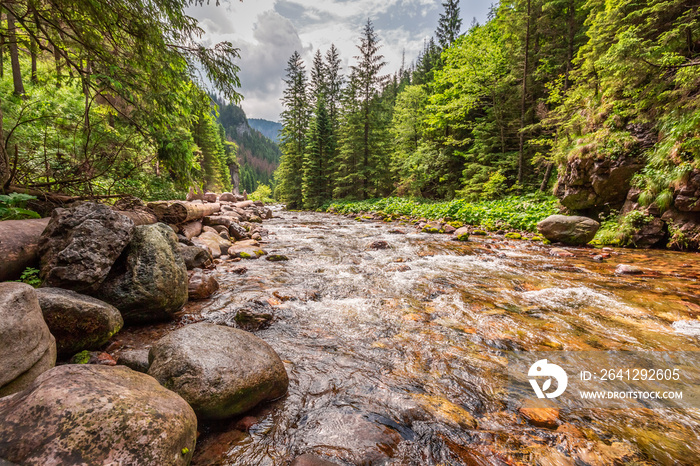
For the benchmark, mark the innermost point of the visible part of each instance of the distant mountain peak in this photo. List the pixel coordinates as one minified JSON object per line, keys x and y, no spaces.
{"x":269,"y":129}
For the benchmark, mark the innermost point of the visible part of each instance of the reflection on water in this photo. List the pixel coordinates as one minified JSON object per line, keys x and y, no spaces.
{"x":396,"y":356}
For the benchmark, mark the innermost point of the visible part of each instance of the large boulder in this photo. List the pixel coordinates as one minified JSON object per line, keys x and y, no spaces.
{"x":573,"y":230}
{"x":78,"y":322}
{"x":27,"y":348}
{"x":220,"y":371}
{"x":88,"y":414}
{"x":80,"y":245}
{"x":149,"y":282}
{"x":19,"y":245}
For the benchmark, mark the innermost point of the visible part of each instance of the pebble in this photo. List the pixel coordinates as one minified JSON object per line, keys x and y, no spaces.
{"x":626,"y":269}
{"x":558,"y":252}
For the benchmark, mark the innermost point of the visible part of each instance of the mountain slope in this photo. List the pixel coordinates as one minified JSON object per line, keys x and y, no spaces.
{"x":258,"y":156}
{"x":269,"y":129}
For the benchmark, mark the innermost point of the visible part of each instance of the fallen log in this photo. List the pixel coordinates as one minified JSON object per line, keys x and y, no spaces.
{"x":192,"y":229}
{"x":19,"y":246}
{"x":139,"y":217}
{"x":179,"y":212}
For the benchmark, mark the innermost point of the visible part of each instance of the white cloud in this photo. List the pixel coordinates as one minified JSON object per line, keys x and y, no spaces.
{"x":269,"y":31}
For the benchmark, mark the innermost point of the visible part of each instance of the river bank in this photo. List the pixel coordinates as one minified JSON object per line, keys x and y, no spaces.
{"x":394,"y":339}
{"x":394,"y":354}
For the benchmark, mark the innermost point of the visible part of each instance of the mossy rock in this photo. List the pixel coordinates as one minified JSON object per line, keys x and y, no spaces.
{"x":514,"y":235}
{"x":432,"y":227}
{"x":462,"y":234}
{"x":456,"y":224}
{"x":479,"y":233}
{"x":245,"y":255}
{"x":81,"y":358}
{"x":277,"y":258}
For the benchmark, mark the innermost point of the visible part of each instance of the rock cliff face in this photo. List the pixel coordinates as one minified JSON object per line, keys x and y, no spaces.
{"x":593,"y":184}
{"x":597,"y":184}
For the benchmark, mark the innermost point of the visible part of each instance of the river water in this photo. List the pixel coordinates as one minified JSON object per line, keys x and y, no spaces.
{"x":395,"y":356}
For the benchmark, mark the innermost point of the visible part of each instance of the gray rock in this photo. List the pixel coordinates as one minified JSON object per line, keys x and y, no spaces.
{"x":27,"y":348}
{"x":195,"y":257}
{"x":80,"y":245}
{"x":134,"y":359}
{"x":652,"y":233}
{"x":593,"y":182}
{"x":149,"y":282}
{"x":96,"y":415}
{"x":568,"y":229}
{"x":77,"y":321}
{"x":227,"y":197}
{"x":237,"y":232}
{"x":220,"y":371}
{"x":212,"y":241}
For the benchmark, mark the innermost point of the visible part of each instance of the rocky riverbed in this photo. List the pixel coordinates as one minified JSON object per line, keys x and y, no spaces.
{"x":393,"y":341}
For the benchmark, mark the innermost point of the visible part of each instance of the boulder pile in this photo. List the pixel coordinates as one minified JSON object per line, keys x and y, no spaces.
{"x":101,"y":268}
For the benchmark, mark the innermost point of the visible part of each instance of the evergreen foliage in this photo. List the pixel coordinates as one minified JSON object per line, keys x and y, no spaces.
{"x":107,"y":98}
{"x":295,"y":119}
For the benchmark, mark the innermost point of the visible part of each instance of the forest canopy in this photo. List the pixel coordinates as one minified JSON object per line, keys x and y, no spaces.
{"x":104,"y":98}
{"x":498,"y":109}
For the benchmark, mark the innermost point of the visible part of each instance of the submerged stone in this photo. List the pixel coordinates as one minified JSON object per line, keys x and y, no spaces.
{"x":220,"y":371}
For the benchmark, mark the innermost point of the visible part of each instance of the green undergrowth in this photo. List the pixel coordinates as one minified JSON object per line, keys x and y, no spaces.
{"x":513,"y":212}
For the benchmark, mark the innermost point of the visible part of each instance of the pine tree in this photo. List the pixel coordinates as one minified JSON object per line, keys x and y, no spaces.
{"x":373,"y":163}
{"x":334,"y":86}
{"x":318,"y":86}
{"x":295,"y":119}
{"x":449,"y":24}
{"x":319,"y":145}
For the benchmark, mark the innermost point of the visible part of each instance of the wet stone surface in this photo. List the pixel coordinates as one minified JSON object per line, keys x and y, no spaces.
{"x":401,"y":366}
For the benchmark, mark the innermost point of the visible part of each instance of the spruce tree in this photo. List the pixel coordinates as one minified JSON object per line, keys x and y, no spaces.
{"x":334,"y":86}
{"x":295,"y":119}
{"x":449,"y":25}
{"x":316,"y":166}
{"x":373,"y":163}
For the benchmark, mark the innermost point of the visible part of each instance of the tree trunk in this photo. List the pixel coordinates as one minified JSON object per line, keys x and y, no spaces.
{"x":19,"y":246}
{"x":59,"y":66}
{"x":547,"y":175}
{"x":139,"y":217}
{"x":33,"y":53}
{"x":521,"y":146}
{"x":5,"y":172}
{"x":14,"y":55}
{"x":2,"y":48}
{"x":180,"y":212}
{"x":2,"y":53}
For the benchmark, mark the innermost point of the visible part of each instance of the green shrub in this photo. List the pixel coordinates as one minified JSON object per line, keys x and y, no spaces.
{"x":30,"y":276}
{"x":262,"y":193}
{"x":513,"y":212}
{"x":14,"y":207}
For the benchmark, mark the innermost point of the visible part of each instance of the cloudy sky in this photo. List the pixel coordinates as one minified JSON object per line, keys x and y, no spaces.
{"x":267,"y":32}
